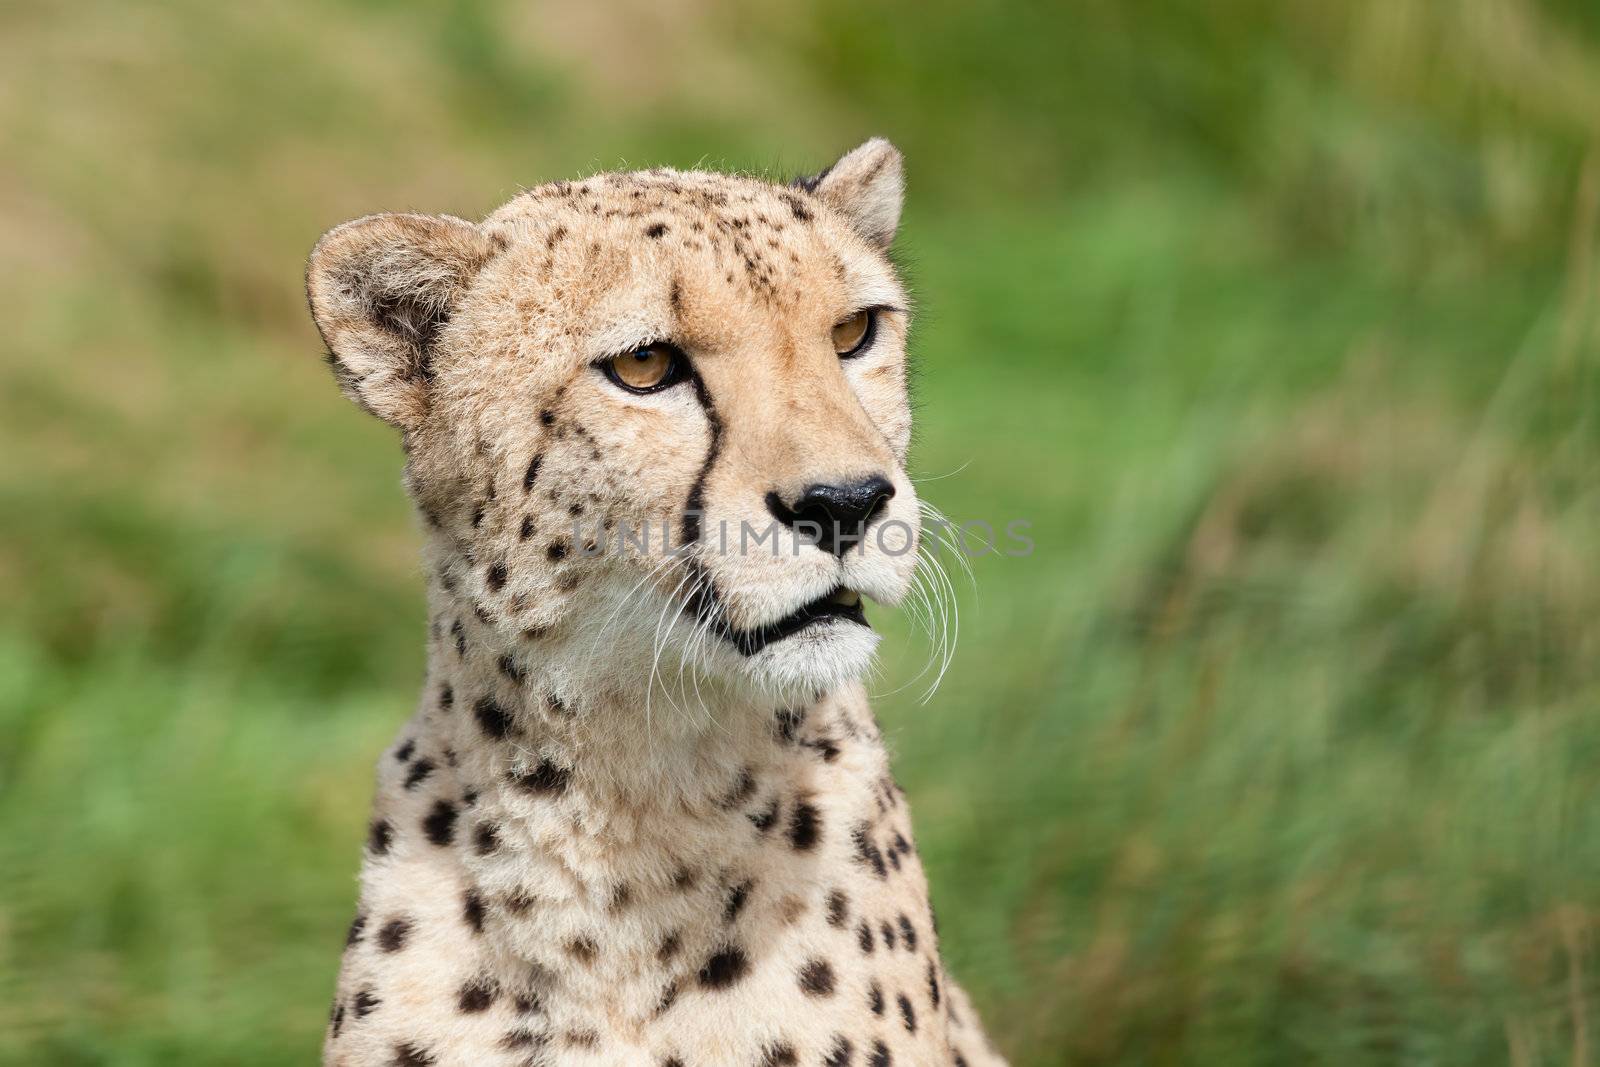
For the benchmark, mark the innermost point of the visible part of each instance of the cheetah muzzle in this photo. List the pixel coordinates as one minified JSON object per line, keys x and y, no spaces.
{"x":655,"y":428}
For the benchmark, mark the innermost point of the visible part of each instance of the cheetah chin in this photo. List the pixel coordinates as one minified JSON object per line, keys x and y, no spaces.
{"x":655,"y":428}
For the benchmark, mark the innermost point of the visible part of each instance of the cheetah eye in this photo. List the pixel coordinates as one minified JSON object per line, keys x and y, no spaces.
{"x":646,"y":369}
{"x":854,"y":335}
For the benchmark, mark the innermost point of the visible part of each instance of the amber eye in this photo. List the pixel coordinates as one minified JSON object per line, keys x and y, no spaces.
{"x":851,"y":337}
{"x":644,"y":370}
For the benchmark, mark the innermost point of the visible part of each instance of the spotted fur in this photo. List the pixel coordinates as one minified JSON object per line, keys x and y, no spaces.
{"x":611,"y":834}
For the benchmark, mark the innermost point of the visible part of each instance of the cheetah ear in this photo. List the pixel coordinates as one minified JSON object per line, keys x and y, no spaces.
{"x":381,"y":288}
{"x":867,"y":187}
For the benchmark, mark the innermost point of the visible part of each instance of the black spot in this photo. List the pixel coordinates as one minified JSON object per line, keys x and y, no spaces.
{"x":557,"y":550}
{"x":959,"y":1061}
{"x":880,"y":1055}
{"x":358,"y":926}
{"x":839,"y":1055}
{"x":496,"y":577}
{"x":789,"y":722}
{"x":738,"y":897}
{"x":668,"y":997}
{"x":508,"y":667}
{"x":522,"y":1038}
{"x":669,"y":947}
{"x":440,"y":824}
{"x":476,"y":995}
{"x":933,"y":983}
{"x":656,"y":231}
{"x":485,"y":839}
{"x":875,"y":998}
{"x":825,"y":747}
{"x":621,"y":896}
{"x":724,"y":968}
{"x":533,"y":469}
{"x":526,"y":531}
{"x":409,"y":1055}
{"x":477,"y":514}
{"x":683,"y":878}
{"x":867,"y":853}
{"x":742,"y":788}
{"x":864,"y":936}
{"x":364,"y":1003}
{"x":908,"y":1014}
{"x":461,"y":637}
{"x":447,"y":698}
{"x":545,"y":778}
{"x":805,"y":827}
{"x":838,"y":908}
{"x":472,"y":910}
{"x":816,"y":978}
{"x":546,"y":417}
{"x":403,"y":753}
{"x":763,"y":820}
{"x":901,"y":845}
{"x":887,"y":932}
{"x":392,"y":935}
{"x":336,"y":1018}
{"x":781,"y":1054}
{"x":672,"y":1061}
{"x":492,"y":718}
{"x":379,"y":835}
{"x":583,"y":949}
{"x":418,"y":773}
{"x":908,"y":934}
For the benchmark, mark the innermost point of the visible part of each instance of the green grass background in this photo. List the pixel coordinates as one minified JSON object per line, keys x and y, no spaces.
{"x":1276,"y":319}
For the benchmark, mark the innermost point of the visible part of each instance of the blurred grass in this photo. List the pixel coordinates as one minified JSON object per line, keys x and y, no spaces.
{"x":1276,"y":320}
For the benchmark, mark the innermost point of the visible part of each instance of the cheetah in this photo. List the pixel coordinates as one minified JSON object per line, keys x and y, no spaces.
{"x":643,"y":814}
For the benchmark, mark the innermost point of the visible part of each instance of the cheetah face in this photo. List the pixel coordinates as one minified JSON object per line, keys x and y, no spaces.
{"x":659,"y":416}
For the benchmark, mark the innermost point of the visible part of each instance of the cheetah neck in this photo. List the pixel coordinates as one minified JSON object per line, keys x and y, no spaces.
{"x":523,"y":716}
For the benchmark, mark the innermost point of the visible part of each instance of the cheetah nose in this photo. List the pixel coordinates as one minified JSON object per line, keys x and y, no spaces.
{"x":835,"y":516}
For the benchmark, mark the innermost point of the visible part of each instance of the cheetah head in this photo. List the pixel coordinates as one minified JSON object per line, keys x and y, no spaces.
{"x":661,"y":416}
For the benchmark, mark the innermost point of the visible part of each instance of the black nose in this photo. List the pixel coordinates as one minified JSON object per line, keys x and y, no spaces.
{"x":834,"y":516}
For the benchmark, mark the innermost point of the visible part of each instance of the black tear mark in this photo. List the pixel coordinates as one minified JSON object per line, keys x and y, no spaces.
{"x":695,"y":503}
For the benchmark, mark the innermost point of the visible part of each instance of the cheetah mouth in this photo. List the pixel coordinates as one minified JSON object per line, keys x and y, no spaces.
{"x":840,"y":606}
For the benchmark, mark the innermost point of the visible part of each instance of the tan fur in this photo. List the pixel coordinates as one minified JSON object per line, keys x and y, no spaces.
{"x":608,"y":836}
